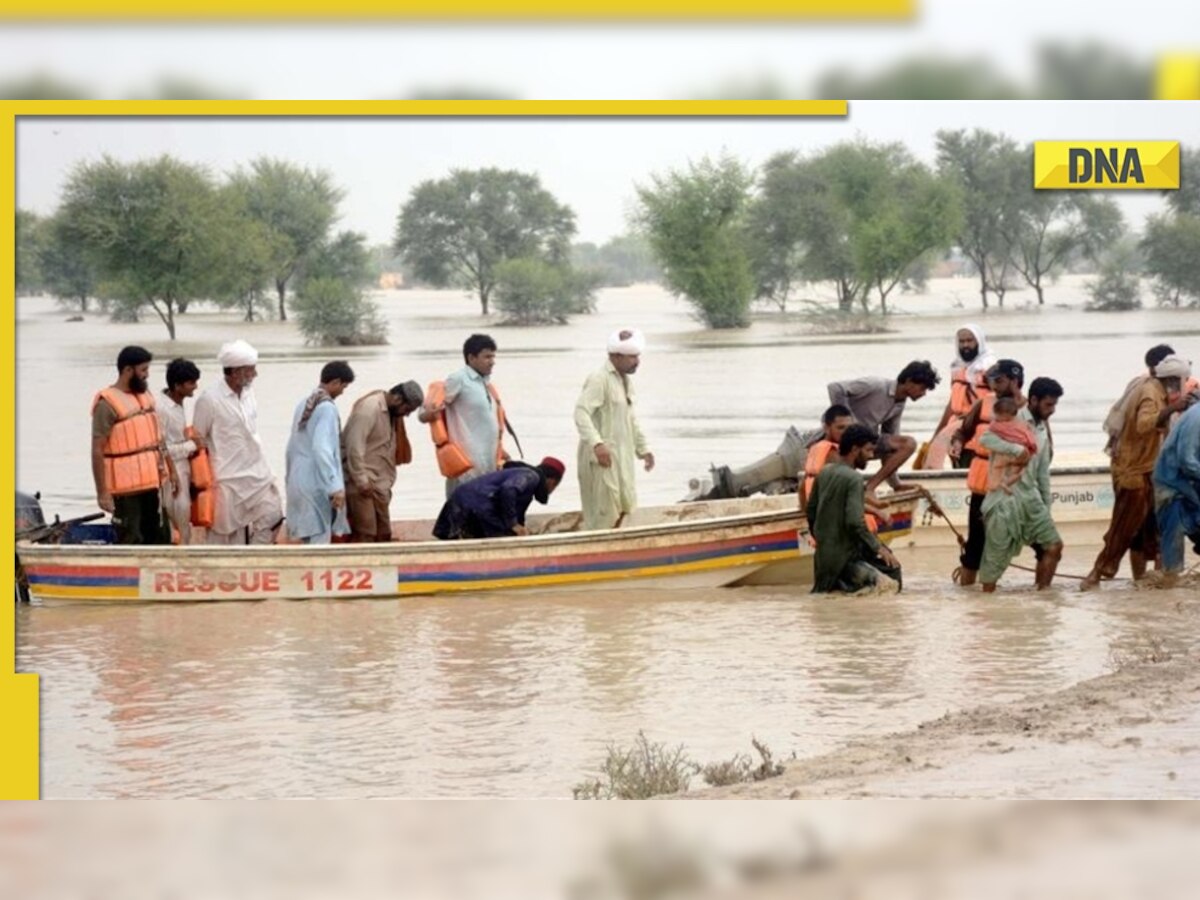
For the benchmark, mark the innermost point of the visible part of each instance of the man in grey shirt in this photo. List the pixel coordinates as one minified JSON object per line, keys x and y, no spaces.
{"x":878,"y":403}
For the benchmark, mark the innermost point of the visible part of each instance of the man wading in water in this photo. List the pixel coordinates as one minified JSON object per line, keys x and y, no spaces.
{"x":849,"y":558}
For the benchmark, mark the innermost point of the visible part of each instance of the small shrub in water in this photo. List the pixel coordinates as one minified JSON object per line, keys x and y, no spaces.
{"x":645,"y":770}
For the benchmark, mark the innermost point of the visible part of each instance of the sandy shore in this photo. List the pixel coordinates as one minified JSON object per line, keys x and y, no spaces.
{"x":1132,"y":733}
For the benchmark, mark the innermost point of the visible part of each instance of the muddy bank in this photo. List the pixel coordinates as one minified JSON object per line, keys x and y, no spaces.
{"x":1134,"y":732}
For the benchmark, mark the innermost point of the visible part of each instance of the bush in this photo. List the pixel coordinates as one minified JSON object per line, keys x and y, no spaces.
{"x":1118,"y":287}
{"x":644,"y":770}
{"x":333,"y":313}
{"x":533,"y":292}
{"x":1114,"y":291}
{"x":647,"y":770}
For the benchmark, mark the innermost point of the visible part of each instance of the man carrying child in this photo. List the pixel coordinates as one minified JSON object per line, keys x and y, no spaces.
{"x":1016,"y":509}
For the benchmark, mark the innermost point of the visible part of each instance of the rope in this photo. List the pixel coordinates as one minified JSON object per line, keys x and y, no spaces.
{"x":955,"y":575}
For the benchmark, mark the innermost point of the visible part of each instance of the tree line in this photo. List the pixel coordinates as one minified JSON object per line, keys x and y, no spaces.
{"x":867,"y":218}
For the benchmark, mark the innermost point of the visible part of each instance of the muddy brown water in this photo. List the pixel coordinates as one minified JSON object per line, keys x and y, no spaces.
{"x":518,"y":694}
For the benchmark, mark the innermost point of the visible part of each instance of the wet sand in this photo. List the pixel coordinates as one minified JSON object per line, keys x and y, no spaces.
{"x":1131,"y":733}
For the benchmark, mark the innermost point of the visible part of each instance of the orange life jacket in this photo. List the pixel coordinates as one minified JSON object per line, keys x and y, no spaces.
{"x":133,"y":458}
{"x":817,"y":456}
{"x":204,"y":507}
{"x":452,"y":459}
{"x":200,"y":467}
{"x":963,"y":393}
{"x":977,"y":474}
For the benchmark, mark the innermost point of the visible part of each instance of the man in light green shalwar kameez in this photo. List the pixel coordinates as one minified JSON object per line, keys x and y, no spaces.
{"x":1020,"y":517}
{"x":610,"y":439}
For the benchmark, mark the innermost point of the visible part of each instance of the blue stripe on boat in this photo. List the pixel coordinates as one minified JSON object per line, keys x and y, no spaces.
{"x":83,"y":580}
{"x":616,"y":565}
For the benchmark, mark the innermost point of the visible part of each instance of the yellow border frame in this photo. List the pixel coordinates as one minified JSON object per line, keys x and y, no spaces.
{"x":463,"y":10}
{"x":19,"y":775}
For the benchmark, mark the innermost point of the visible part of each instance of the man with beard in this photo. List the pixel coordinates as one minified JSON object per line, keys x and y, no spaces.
{"x":374,"y":443}
{"x":129,"y":459}
{"x":968,"y":382}
{"x":1133,"y":527}
{"x":610,"y":436}
{"x":494,"y":505}
{"x":1019,"y":516}
{"x":848,"y":557}
{"x":249,"y":509}
{"x":1006,"y":379}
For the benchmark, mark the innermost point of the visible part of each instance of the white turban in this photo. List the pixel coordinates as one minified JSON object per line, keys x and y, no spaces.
{"x":627,"y":341}
{"x":236,"y":354}
{"x":1172,"y":367}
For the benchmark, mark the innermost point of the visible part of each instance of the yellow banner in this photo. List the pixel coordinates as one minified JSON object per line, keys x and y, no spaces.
{"x":1106,"y":165}
{"x":459,"y":10}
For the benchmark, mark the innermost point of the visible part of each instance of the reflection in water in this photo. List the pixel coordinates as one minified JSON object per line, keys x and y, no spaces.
{"x":517,"y":695}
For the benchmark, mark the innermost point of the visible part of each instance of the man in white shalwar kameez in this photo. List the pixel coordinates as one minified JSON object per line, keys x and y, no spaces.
{"x":316,"y":493}
{"x":182,"y":378}
{"x":610,"y":439}
{"x":249,"y":509}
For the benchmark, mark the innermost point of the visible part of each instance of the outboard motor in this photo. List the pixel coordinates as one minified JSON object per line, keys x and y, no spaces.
{"x":29,"y":512}
{"x":29,"y":517}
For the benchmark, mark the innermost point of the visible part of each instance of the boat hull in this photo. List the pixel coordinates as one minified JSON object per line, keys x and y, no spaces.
{"x":757,"y":540}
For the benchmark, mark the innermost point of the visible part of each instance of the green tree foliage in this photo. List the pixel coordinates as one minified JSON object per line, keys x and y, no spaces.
{"x":985,"y":166}
{"x":150,"y":227}
{"x":333,"y":312}
{"x":1118,"y":287}
{"x":921,"y":78}
{"x":1172,"y":247}
{"x":861,"y":215}
{"x":535,"y":292}
{"x":1044,"y":230}
{"x":1186,"y":200}
{"x":456,"y":230}
{"x":250,"y":251}
{"x":346,"y":258}
{"x":1091,"y":71}
{"x":619,"y":262}
{"x":68,"y":271}
{"x":299,"y":206}
{"x":30,"y":236}
{"x":695,"y":221}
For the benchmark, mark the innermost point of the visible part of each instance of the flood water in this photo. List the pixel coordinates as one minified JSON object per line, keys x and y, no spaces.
{"x":517,"y":695}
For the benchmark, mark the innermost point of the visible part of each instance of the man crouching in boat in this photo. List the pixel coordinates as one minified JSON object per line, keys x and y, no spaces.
{"x":848,"y":557}
{"x":494,"y":505}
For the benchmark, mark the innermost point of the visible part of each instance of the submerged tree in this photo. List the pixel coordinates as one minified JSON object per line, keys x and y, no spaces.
{"x":332,"y":312}
{"x":534,"y":292}
{"x":151,"y":228}
{"x":298,"y":205}
{"x":68,"y":271}
{"x":858,"y":214}
{"x":456,"y":230}
{"x":984,"y":165}
{"x":695,"y":221}
{"x":1045,"y":230}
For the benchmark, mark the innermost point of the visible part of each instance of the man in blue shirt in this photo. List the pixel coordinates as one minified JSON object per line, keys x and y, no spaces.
{"x":494,"y":505}
{"x":1177,"y":491}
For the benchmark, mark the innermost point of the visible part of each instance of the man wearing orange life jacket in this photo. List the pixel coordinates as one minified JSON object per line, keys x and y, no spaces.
{"x":474,"y":417}
{"x":129,"y":462}
{"x":182,"y":379}
{"x":1005,"y":379}
{"x":968,"y":382}
{"x":834,"y":422}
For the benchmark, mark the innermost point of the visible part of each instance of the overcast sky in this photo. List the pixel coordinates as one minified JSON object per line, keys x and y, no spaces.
{"x":591,"y":165}
{"x":391,"y":59}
